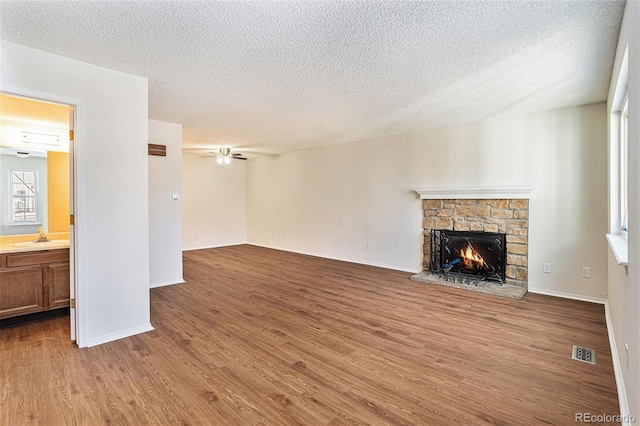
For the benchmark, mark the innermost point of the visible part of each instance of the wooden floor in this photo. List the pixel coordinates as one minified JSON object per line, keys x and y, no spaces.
{"x":259,"y":336}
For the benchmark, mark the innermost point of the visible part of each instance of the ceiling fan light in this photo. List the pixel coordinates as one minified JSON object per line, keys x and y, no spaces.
{"x":227,"y":160}
{"x":219,"y":159}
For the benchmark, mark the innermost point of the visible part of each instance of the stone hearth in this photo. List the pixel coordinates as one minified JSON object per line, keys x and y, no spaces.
{"x":487,"y":287}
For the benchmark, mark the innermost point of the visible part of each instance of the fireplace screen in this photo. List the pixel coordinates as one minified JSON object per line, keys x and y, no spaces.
{"x":476,"y":255}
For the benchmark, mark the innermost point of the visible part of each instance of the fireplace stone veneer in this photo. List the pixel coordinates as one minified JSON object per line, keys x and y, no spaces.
{"x":508,"y":216}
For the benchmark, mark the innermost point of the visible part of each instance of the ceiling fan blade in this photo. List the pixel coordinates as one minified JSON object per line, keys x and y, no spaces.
{"x":239,"y":158}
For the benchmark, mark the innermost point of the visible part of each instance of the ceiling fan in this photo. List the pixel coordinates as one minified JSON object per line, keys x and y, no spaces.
{"x":225,"y":156}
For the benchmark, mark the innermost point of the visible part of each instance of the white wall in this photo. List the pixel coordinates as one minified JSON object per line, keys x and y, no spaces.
{"x":213,"y":203}
{"x":112,"y":218}
{"x":332,"y":201}
{"x":165,"y":215}
{"x":624,"y":290}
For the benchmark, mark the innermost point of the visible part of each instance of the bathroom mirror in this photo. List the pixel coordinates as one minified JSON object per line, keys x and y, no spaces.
{"x":23,"y":184}
{"x":34,"y":167}
{"x":34,"y":187}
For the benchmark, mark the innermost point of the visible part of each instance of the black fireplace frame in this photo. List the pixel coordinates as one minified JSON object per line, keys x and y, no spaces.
{"x":439,"y":238}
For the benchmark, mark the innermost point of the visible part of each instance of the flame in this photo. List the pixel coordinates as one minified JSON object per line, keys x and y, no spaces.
{"x":469,"y":256}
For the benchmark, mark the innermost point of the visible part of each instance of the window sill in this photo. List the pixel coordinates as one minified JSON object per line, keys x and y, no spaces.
{"x":620,"y":248}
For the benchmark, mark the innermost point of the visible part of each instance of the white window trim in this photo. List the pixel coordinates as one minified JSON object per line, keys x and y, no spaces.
{"x":623,"y":158}
{"x":617,"y":238}
{"x":620,"y":248}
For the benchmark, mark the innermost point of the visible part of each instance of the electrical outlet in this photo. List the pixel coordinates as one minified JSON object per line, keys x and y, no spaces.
{"x":280,"y":235}
{"x":194,"y":236}
{"x":369,"y":246}
{"x":546,"y":268}
{"x":586,"y":272}
{"x":626,"y":356}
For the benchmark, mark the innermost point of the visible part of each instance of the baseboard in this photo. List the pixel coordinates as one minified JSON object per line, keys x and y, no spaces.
{"x":216,"y":246}
{"x":568,"y":295}
{"x":617,"y":369}
{"x":377,"y":265}
{"x":119,"y":335}
{"x":165,"y":283}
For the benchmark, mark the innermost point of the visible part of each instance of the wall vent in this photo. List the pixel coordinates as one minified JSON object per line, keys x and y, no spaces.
{"x":584,"y":354}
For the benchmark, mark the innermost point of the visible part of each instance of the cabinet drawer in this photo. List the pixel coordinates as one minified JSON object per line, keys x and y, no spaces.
{"x":37,"y":258}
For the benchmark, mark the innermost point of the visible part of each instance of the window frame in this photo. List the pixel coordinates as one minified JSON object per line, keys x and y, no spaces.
{"x":13,"y":197}
{"x":623,"y":159}
{"x":617,"y":99}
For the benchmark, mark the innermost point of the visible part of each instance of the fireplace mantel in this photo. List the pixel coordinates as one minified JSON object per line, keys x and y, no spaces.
{"x":479,"y":193}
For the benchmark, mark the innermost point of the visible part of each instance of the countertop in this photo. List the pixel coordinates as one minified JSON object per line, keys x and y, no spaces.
{"x":6,"y":248}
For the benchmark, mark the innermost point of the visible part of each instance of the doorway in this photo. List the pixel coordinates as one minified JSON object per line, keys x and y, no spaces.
{"x":37,"y":230}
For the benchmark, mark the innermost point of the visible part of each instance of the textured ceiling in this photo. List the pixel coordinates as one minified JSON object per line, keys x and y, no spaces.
{"x":271,"y":77}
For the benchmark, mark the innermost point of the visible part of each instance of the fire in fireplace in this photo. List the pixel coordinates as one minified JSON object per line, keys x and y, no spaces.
{"x":476,"y":255}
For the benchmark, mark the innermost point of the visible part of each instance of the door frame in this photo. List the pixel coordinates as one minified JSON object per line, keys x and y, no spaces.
{"x":77,"y":188}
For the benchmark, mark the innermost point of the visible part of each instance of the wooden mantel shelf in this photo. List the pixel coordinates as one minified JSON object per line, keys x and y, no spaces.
{"x":512,"y":192}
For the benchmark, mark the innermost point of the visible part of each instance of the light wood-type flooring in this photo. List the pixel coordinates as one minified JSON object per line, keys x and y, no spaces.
{"x":263,"y":337}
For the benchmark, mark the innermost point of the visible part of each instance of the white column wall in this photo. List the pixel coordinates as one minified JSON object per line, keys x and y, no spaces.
{"x":112,"y":214}
{"x":165,"y":214}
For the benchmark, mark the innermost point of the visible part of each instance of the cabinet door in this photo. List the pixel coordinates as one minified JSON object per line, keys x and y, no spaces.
{"x":58,"y":280}
{"x":21,"y":291}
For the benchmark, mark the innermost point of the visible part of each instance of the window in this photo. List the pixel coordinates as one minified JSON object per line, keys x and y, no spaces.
{"x":624,"y":161}
{"x":24,"y":197}
{"x":619,"y":163}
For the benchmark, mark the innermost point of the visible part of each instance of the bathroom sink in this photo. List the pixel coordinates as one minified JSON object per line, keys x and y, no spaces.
{"x":48,"y":244}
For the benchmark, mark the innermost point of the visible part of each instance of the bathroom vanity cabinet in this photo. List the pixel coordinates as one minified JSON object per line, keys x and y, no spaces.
{"x":33,"y":281}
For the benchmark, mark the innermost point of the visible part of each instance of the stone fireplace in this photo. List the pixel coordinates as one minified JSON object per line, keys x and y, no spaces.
{"x":501,"y":216}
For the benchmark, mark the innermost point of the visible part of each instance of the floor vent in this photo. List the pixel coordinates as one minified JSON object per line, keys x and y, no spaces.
{"x":584,"y":354}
